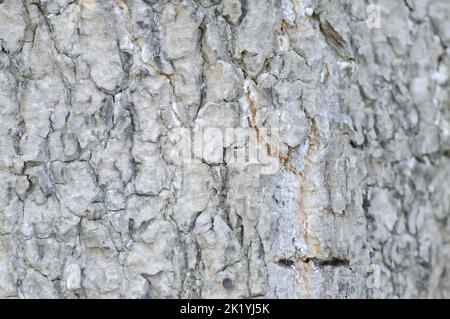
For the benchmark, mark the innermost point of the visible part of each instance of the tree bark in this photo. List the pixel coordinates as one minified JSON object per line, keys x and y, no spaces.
{"x":224,"y":149}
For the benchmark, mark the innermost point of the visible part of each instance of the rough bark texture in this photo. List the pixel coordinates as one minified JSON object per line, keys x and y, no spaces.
{"x":95,"y":203}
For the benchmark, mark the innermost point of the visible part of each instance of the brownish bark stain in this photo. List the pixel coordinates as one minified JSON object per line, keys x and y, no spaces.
{"x":262,"y":139}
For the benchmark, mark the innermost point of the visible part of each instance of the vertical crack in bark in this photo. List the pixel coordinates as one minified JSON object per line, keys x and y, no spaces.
{"x":96,"y":203}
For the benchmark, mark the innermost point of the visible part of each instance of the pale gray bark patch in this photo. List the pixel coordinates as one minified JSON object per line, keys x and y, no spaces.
{"x":95,"y":204}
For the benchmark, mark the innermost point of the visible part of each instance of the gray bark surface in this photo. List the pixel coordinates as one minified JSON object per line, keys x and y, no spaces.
{"x":352,"y":200}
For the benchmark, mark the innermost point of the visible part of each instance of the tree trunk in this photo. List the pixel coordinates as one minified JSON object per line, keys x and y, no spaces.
{"x":226,"y":149}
